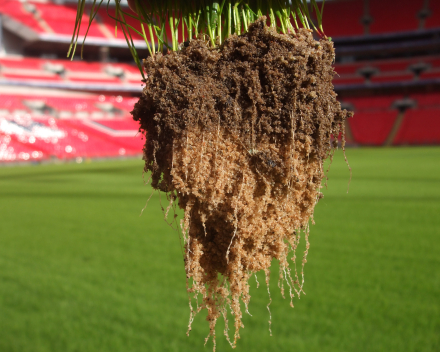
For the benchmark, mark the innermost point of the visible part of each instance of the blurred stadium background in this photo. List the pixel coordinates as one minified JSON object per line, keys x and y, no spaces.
{"x":79,"y":271}
{"x":388,"y":72}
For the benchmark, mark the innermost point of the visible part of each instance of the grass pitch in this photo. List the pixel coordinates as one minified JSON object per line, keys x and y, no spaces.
{"x":81,"y":271}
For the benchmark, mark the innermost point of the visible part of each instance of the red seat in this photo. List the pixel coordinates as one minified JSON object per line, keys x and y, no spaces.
{"x":21,"y":63}
{"x":430,"y":74}
{"x":11,"y":102}
{"x":348,"y":68}
{"x":80,"y":65}
{"x":348,"y":80}
{"x":72,"y":104}
{"x":420,"y":126}
{"x":336,"y":26}
{"x":120,"y":124}
{"x":15,"y":10}
{"x":427,"y":99}
{"x":62,"y":18}
{"x":132,"y":145}
{"x":110,"y":24}
{"x":19,"y":68}
{"x":12,"y":150}
{"x":392,"y":16}
{"x":68,"y":138}
{"x":372,"y":128}
{"x":392,"y":65}
{"x":373,"y":103}
{"x":433,"y":21}
{"x":91,"y":79}
{"x":35,"y":77}
{"x":123,"y":103}
{"x":400,"y":77}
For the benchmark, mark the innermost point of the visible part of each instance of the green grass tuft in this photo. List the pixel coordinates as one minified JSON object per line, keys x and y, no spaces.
{"x":216,"y":20}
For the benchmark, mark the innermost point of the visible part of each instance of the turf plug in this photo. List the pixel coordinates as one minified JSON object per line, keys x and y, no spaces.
{"x":238,"y":136}
{"x":238,"y":123}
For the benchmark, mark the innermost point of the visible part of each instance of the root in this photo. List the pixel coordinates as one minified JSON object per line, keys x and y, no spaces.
{"x":345,"y":156}
{"x":267,"y":273}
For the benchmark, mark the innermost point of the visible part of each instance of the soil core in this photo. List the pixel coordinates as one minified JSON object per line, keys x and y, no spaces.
{"x":237,"y":135}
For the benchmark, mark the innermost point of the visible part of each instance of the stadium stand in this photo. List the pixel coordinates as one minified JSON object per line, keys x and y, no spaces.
{"x":430,"y":74}
{"x":11,"y":150}
{"x":109,"y":22}
{"x":386,"y":18}
{"x":66,"y":127}
{"x":433,"y":18}
{"x":372,"y":128}
{"x":414,"y":131}
{"x":348,"y":79}
{"x":378,"y":17}
{"x":427,"y":100}
{"x":60,"y":18}
{"x":66,"y":138}
{"x":399,"y":77}
{"x":22,"y":12}
{"x":372,"y":103}
{"x":387,"y":72}
{"x":66,"y":73}
{"x":350,"y":25}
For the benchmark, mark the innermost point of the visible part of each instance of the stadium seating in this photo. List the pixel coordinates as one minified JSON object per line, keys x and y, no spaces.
{"x":125,"y":141}
{"x":392,"y":65}
{"x":122,"y":103}
{"x":16,"y":10}
{"x":11,"y":102}
{"x":427,"y":100}
{"x":13,"y":151}
{"x":39,"y":126}
{"x":67,"y":71}
{"x":14,"y":62}
{"x":337,"y":25}
{"x":344,"y":18}
{"x":420,"y":126}
{"x":430,"y":74}
{"x":372,"y":103}
{"x":120,"y":125}
{"x":61,"y":19}
{"x":84,"y":141}
{"x":90,"y":103}
{"x":394,"y":16}
{"x":399,"y":77}
{"x":30,"y":76}
{"x":433,"y":20}
{"x":110,"y":24}
{"x":94,"y":79}
{"x":71,"y":104}
{"x":46,"y":133}
{"x":348,"y":68}
{"x":38,"y":138}
{"x":348,"y":79}
{"x":79,"y":65}
{"x":372,"y":128}
{"x":388,"y":71}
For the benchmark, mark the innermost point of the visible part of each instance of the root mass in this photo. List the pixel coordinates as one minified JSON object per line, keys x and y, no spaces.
{"x":237,"y":135}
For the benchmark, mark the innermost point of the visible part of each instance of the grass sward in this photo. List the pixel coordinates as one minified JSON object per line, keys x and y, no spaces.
{"x":81,"y":271}
{"x":168,"y":22}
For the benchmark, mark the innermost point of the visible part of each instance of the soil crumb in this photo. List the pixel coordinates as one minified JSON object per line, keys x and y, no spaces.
{"x":237,"y":136}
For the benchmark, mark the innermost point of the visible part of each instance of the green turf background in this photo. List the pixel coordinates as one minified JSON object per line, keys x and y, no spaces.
{"x":81,"y":271}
